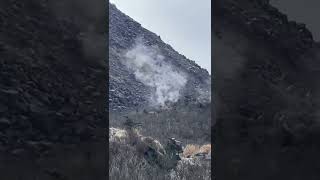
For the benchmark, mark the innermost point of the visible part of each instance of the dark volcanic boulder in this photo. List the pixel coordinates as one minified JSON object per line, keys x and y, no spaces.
{"x":266,"y":93}
{"x":52,"y":90}
{"x":48,"y":79}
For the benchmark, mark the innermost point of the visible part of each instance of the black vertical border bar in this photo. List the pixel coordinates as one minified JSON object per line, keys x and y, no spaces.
{"x":212,"y":100}
{"x":213,"y":114}
{"x":107,"y":83}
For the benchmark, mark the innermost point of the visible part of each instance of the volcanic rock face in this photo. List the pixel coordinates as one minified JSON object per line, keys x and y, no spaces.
{"x":52,"y":90}
{"x":265,"y":70}
{"x":47,"y":84}
{"x":168,"y":75}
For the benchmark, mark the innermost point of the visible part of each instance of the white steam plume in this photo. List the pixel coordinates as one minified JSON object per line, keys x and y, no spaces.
{"x":149,"y":67}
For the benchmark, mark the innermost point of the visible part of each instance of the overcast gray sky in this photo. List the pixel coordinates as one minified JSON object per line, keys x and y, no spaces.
{"x":184,"y":24}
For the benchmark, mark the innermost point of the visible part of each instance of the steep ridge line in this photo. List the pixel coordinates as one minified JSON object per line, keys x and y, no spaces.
{"x":126,"y":91}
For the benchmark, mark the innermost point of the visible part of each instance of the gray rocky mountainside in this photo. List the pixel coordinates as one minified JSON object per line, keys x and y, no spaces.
{"x":266,"y":71}
{"x":168,"y":95}
{"x":172,"y":75}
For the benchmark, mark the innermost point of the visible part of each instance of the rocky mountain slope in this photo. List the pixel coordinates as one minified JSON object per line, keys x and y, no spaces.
{"x":169,"y":73}
{"x":144,"y":74}
{"x":267,"y":95}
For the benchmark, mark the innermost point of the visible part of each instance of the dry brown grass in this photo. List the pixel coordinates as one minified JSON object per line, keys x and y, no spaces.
{"x":126,"y":164}
{"x":205,"y":148}
{"x":190,"y":125}
{"x":191,"y":149}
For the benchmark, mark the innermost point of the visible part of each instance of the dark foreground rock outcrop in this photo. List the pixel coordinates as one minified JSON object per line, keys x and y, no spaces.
{"x":52,"y":88}
{"x":267,"y":97}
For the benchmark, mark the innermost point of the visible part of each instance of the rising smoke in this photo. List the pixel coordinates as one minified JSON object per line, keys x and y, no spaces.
{"x":150,"y":68}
